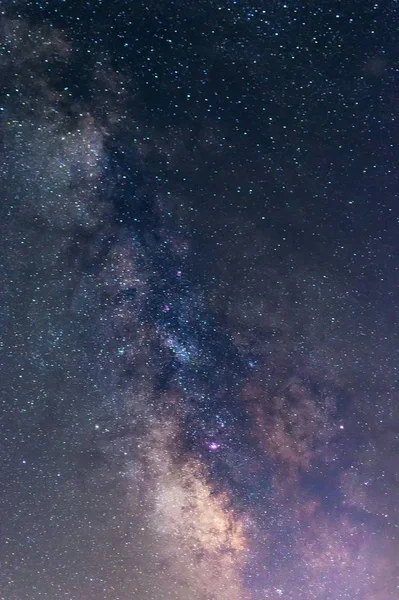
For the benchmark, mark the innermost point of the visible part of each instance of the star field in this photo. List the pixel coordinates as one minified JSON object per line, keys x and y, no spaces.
{"x":199,"y":267}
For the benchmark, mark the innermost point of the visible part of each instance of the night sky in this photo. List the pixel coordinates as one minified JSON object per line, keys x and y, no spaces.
{"x":199,"y":266}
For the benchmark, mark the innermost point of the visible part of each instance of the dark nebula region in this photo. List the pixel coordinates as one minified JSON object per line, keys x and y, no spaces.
{"x":198,"y":300}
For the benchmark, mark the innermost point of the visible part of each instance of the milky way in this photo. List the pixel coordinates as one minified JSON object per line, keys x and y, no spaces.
{"x":198,"y":301}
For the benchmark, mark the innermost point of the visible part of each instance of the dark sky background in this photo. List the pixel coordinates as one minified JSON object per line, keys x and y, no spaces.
{"x":198,"y":300}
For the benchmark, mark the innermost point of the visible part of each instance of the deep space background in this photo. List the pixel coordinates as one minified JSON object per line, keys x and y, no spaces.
{"x":198,"y":302}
